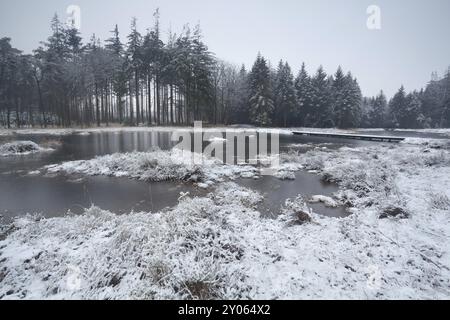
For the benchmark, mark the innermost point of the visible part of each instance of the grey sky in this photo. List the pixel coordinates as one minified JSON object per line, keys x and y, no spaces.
{"x":413,"y":41}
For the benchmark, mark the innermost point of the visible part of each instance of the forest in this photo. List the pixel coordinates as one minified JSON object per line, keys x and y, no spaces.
{"x":152,"y":81}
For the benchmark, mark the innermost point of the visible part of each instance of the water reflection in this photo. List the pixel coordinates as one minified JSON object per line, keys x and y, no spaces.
{"x":21,"y":193}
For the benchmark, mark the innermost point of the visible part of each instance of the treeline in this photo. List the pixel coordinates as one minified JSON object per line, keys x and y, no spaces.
{"x":147,"y":81}
{"x":427,"y":108}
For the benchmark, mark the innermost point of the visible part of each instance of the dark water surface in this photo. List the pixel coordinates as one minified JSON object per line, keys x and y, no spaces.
{"x":21,"y":193}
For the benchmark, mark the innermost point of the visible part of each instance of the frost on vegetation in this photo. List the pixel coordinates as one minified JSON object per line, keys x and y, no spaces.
{"x":327,"y":201}
{"x":21,"y":148}
{"x":439,"y":201}
{"x":157,"y":166}
{"x":188,"y":252}
{"x":220,"y":247}
{"x":296,"y":212}
{"x":428,"y":142}
{"x":369,"y":176}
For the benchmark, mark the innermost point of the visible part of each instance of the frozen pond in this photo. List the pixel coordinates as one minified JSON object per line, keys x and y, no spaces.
{"x":21,"y":193}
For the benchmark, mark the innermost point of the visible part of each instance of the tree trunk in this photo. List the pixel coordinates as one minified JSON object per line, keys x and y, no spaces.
{"x":138,"y":112}
{"x":131,"y":105}
{"x":171,"y":105}
{"x":16,"y":100}
{"x":158,"y":101}
{"x":97,"y":107}
{"x":149,"y":94}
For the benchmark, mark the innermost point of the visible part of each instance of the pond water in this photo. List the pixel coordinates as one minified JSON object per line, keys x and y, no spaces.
{"x":21,"y":193}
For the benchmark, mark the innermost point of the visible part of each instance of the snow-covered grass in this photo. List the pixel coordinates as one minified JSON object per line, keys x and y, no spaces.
{"x":428,"y":142}
{"x":18,"y":148}
{"x":157,"y":165}
{"x":219,"y":246}
{"x":327,"y":201}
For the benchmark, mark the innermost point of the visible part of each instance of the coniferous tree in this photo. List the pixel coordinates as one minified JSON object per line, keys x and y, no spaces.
{"x":119,"y":77}
{"x":378,"y":113}
{"x":397,"y":108}
{"x":260,"y":100}
{"x":303,"y":94}
{"x":433,"y":99}
{"x":445,"y":122}
{"x":340,"y":92}
{"x":353,"y":111}
{"x":320,"y":113}
{"x":412,"y":114}
{"x":285,"y":99}
{"x":67,"y":83}
{"x":135,"y":58}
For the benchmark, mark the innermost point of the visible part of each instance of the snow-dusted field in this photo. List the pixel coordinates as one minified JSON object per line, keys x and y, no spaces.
{"x":394,"y":245}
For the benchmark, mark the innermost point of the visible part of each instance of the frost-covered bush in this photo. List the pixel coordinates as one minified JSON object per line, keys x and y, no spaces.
{"x":361,"y":171}
{"x":296,"y":212}
{"x":20,"y":148}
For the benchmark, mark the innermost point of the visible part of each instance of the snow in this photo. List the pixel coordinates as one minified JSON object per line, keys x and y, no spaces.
{"x":436,"y":143}
{"x":327,"y":201}
{"x":157,"y":165}
{"x":21,"y":148}
{"x":113,"y":129}
{"x":221,"y":244}
{"x":234,"y":129}
{"x":50,"y":132}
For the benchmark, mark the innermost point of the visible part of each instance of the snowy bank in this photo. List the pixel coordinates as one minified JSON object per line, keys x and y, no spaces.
{"x":218,"y":246}
{"x":112,"y":129}
{"x":21,"y":148}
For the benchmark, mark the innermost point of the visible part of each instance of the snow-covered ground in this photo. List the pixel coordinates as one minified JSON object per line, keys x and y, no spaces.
{"x":21,"y":148}
{"x":394,"y":245}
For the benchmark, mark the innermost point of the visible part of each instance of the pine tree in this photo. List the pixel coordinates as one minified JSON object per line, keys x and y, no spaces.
{"x":433,"y":99}
{"x":113,"y":43}
{"x":260,"y":100}
{"x":57,"y":41}
{"x":346,"y":100}
{"x":397,"y":107}
{"x":202,"y":71}
{"x":320,"y":113}
{"x":135,"y":57}
{"x":303,"y":94}
{"x":378,"y":113}
{"x":412,"y":115}
{"x":445,"y":122}
{"x":285,"y":99}
{"x":340,"y":91}
{"x":115,"y":47}
{"x":353,"y":118}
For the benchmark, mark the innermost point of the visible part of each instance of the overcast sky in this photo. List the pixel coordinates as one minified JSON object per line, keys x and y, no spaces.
{"x":413,"y":40}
